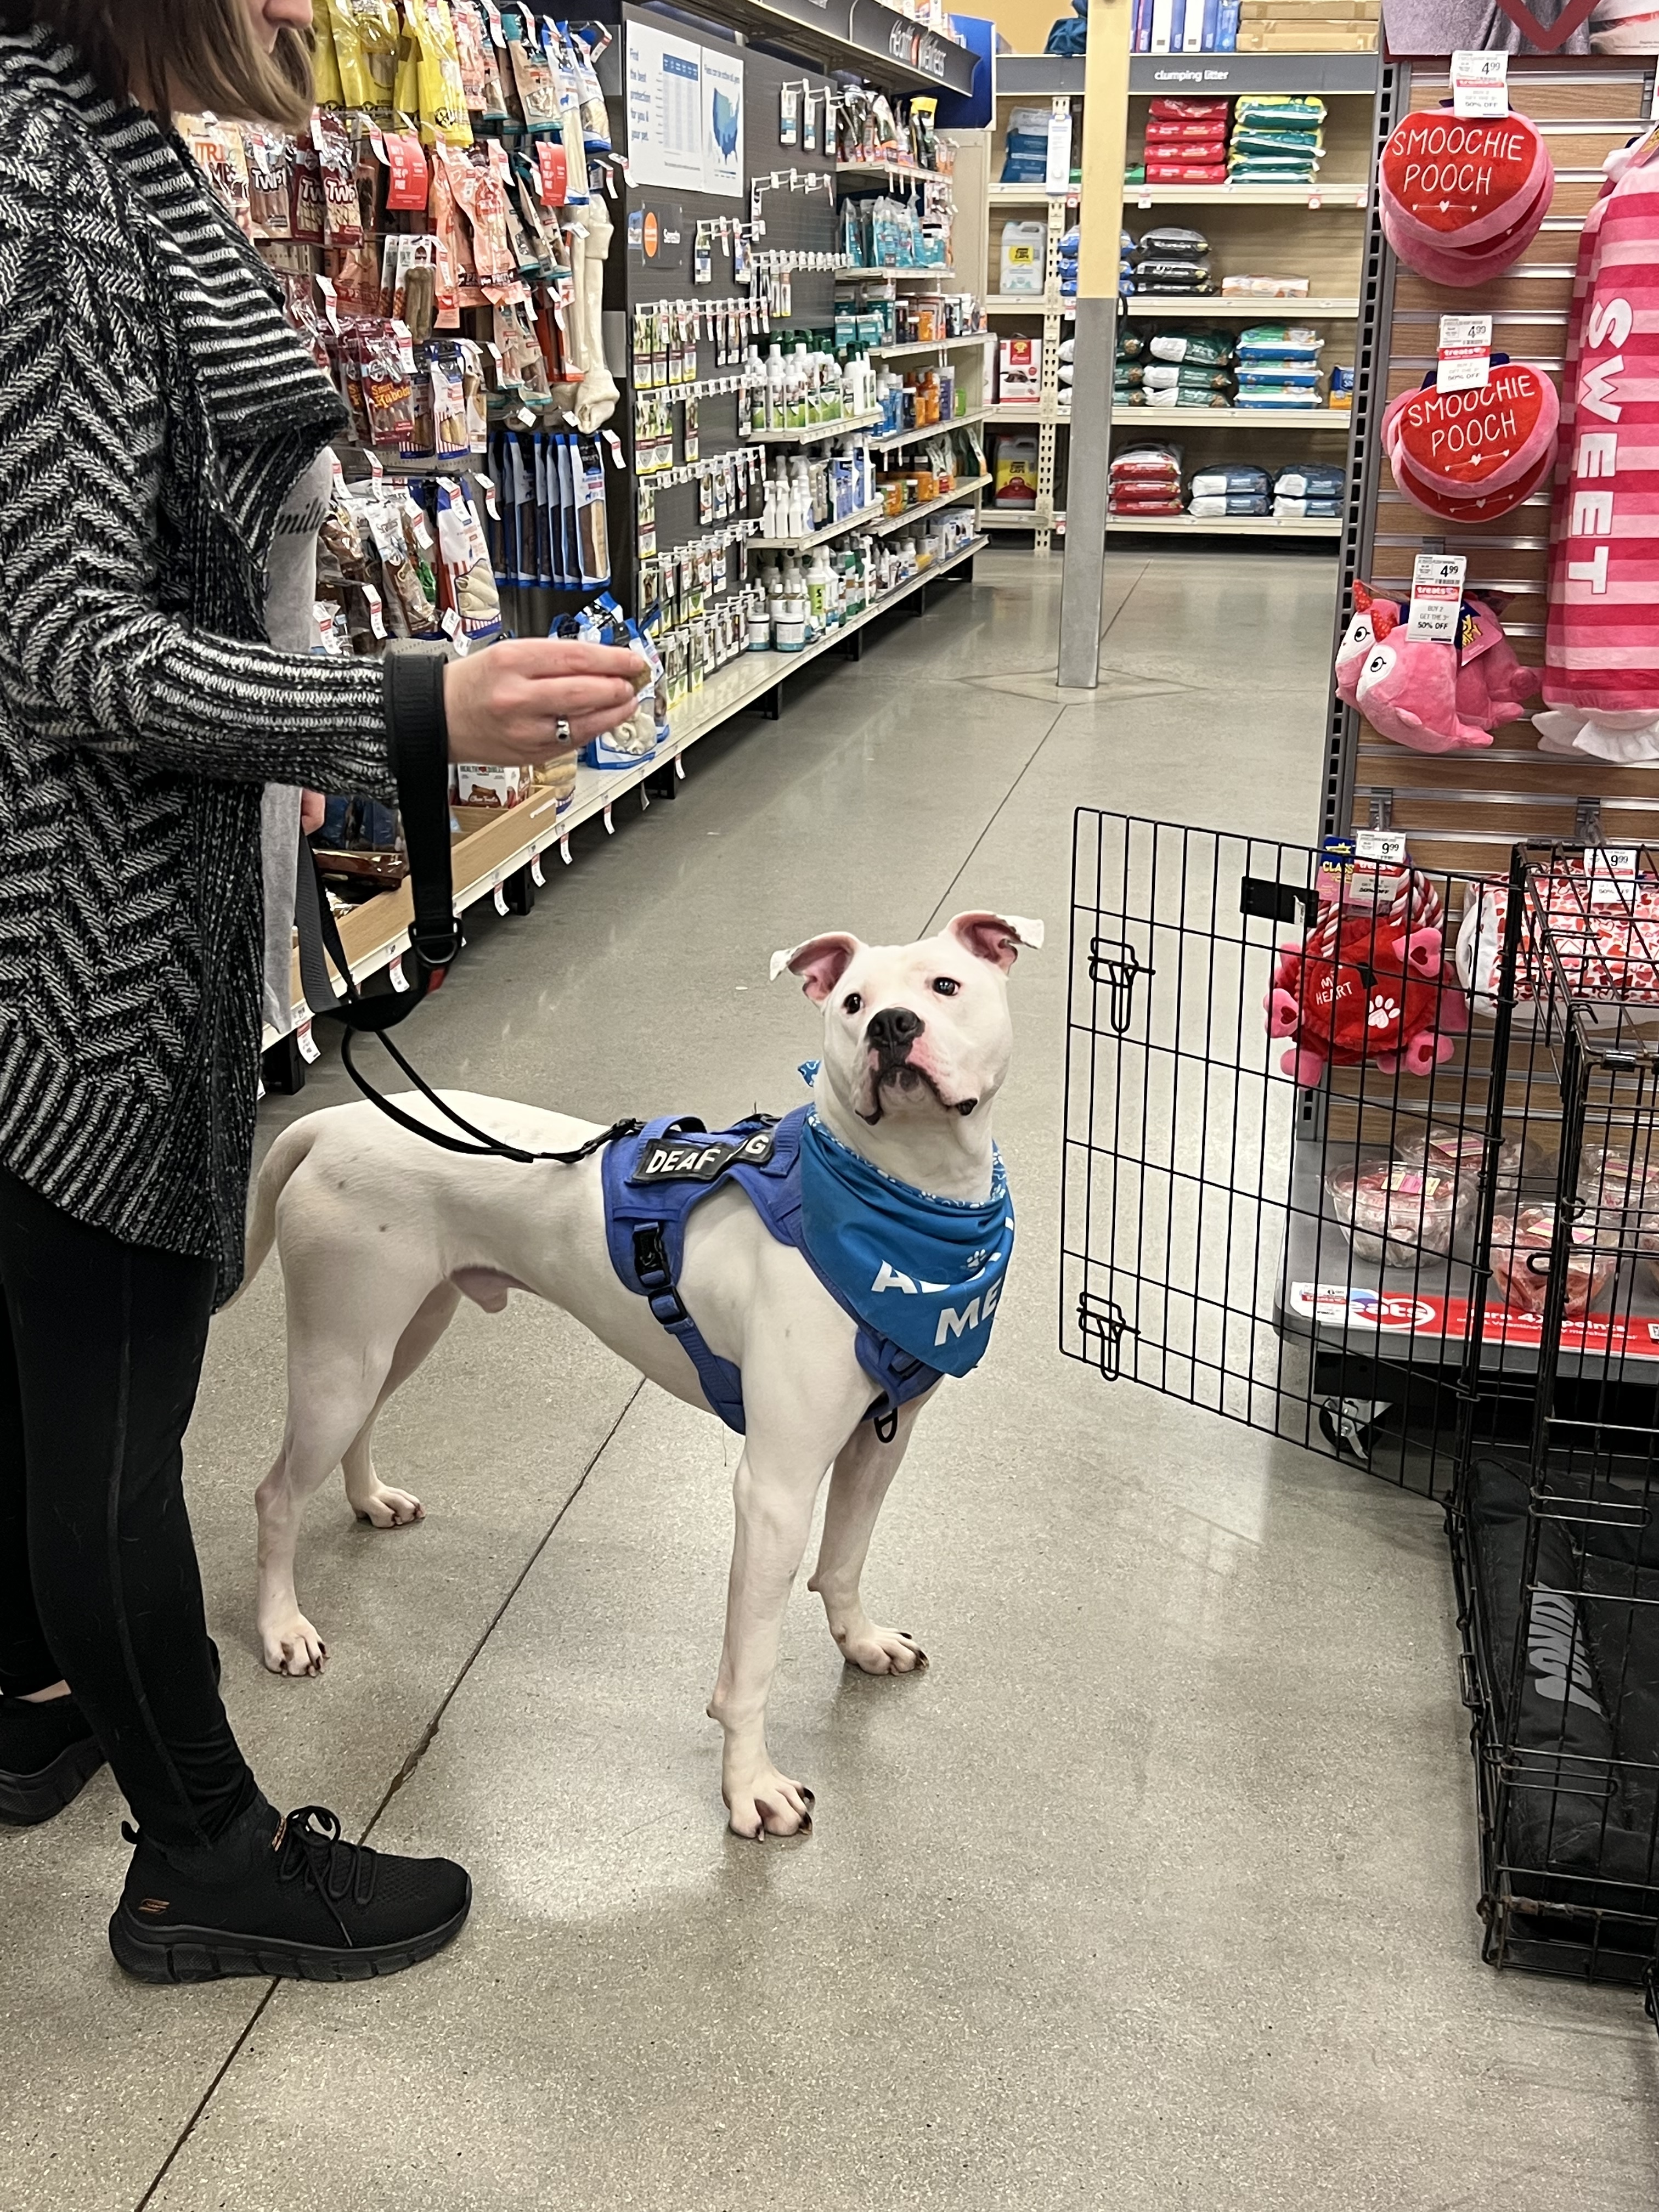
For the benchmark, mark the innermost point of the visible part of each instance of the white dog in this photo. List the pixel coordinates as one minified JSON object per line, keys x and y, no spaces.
{"x":381,"y":1234}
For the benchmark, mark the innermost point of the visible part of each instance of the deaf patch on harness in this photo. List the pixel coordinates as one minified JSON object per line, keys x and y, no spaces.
{"x":682,"y":1159}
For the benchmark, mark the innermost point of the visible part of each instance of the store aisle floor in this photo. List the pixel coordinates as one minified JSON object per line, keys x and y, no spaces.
{"x":1156,"y":1890}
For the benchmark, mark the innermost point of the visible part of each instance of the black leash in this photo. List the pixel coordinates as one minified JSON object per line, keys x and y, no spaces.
{"x":414,"y":713}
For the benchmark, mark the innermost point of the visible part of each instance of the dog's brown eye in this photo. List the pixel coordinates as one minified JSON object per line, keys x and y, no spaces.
{"x":946,"y":986}
{"x":851,"y":1003}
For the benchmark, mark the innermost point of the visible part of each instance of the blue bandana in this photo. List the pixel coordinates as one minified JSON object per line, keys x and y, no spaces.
{"x":926,"y":1272}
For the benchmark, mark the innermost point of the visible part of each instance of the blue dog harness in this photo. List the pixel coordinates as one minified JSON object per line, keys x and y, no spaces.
{"x":654,"y":1180}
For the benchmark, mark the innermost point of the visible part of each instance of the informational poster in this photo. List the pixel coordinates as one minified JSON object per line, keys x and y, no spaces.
{"x":722,"y":101}
{"x":684,"y":113}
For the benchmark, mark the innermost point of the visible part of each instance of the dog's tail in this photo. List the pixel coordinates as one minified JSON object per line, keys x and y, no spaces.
{"x":288,"y":1152}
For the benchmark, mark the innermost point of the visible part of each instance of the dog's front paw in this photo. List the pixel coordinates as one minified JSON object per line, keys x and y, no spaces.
{"x":769,"y":1805}
{"x":294,"y":1648}
{"x":880,"y":1651}
{"x":389,"y":1509}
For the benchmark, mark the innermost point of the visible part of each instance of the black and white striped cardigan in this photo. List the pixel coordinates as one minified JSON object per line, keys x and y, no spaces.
{"x":155,"y":411}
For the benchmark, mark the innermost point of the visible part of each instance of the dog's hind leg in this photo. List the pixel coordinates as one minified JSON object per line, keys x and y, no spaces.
{"x":335,"y":1380}
{"x":864,"y":1468}
{"x":370,"y":1498}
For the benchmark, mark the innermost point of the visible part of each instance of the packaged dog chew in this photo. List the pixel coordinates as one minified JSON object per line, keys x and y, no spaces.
{"x":1520,"y":1261}
{"x":271,"y":182}
{"x":338,"y":164}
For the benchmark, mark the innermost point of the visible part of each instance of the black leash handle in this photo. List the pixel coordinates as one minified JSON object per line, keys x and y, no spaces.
{"x":419,"y":731}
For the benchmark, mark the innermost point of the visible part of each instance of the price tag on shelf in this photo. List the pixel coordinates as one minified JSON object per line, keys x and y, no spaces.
{"x":610,"y":826}
{"x":679,"y":767}
{"x":1481,"y":84}
{"x":1380,"y":845}
{"x":1437,"y":595}
{"x":395,"y":971}
{"x":498,"y":898}
{"x":1612,"y":871}
{"x":564,"y":848}
{"x":645,"y":800}
{"x":536,"y":875}
{"x":1465,"y":363}
{"x":307,"y":1043}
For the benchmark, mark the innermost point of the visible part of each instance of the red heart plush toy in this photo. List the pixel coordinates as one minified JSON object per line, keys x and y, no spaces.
{"x":1369,"y":984}
{"x":1461,"y":196}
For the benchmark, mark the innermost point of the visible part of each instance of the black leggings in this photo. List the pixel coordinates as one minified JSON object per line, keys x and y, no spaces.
{"x":100,"y":1353}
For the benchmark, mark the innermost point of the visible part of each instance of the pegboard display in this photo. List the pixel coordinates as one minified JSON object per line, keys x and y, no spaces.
{"x":1464,"y":811}
{"x":666,"y":236}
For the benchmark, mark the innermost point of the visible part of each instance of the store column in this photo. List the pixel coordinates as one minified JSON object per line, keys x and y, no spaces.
{"x":1105,"y":121}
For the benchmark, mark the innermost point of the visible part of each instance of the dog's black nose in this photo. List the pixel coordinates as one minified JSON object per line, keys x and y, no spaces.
{"x":893,"y":1028}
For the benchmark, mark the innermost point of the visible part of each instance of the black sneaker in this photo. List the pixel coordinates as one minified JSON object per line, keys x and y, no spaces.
{"x":283,"y":1897}
{"x":48,"y":1754}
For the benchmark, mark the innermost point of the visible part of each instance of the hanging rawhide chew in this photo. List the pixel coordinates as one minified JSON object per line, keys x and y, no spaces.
{"x":1461,"y":195}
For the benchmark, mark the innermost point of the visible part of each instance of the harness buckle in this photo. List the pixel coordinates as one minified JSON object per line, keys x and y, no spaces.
{"x":885,"y":1420}
{"x":654,"y":1275}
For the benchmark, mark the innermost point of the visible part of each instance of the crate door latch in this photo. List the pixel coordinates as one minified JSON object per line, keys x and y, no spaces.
{"x":1114,"y":962}
{"x":1103,"y":1324}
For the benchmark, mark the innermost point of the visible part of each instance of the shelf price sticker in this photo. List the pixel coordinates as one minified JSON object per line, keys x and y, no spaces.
{"x":1380,"y":845}
{"x":1465,"y":360}
{"x":1437,"y":595}
{"x":536,"y":875}
{"x":395,"y":973}
{"x":309,"y":1050}
{"x":1611,"y":872}
{"x":1481,"y":84}
{"x":498,"y":897}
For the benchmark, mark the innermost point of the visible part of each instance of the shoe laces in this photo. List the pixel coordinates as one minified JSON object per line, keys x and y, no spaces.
{"x":311,"y":1849}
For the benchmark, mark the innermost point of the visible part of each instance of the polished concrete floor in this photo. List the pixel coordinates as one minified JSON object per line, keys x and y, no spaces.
{"x":1156,"y":1891}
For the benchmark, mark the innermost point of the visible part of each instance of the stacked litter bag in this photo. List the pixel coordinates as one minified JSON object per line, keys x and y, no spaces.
{"x":1146,"y":480}
{"x":1310,"y":491}
{"x":1187,"y":142}
{"x":1173,"y":369}
{"x":1279,"y":367}
{"x":1126,"y":265}
{"x":1276,"y":140}
{"x":1173,"y":260}
{"x":1068,"y":246}
{"x":1025,"y":156}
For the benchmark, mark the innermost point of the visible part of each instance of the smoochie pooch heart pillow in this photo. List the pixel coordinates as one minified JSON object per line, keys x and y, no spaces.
{"x":1467,"y":456}
{"x":1462,"y":196}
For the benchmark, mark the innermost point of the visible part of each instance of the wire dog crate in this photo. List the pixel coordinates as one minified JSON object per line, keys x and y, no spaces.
{"x":1555,"y":1545}
{"x":1290,"y":1252}
{"x":1443,"y":1266}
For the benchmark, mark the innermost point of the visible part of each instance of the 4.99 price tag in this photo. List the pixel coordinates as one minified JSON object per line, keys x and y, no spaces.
{"x":1437,"y":595}
{"x":1465,"y":361}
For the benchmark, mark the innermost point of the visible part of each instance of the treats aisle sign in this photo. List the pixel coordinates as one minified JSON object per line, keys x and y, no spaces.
{"x":684,"y":113}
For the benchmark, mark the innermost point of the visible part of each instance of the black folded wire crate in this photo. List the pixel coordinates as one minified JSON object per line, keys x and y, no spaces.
{"x":1553,"y":1521}
{"x":1499,"y":1354}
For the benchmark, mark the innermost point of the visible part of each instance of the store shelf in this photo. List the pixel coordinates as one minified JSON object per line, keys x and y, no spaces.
{"x":876,"y":42}
{"x":991,"y":518}
{"x":957,"y":493}
{"x":1026,"y":410}
{"x":894,"y":173}
{"x":1162,"y":307}
{"x":1232,"y":525}
{"x":891,"y":443}
{"x":815,"y":433}
{"x":1030,"y":303}
{"x":1033,"y":195}
{"x":450,"y":465}
{"x":918,"y":346}
{"x":1313,"y":197}
{"x":929,"y":275}
{"x":1225,"y":75}
{"x":1310,"y":420}
{"x":376,"y":933}
{"x":830,"y":530}
{"x":1040,"y":76}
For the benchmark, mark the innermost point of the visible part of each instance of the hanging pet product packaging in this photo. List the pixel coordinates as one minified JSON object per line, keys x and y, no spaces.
{"x":1469,"y":456}
{"x":1601,"y":654}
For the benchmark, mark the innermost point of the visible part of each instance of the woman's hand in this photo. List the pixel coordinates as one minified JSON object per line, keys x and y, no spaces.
{"x":526,"y":699}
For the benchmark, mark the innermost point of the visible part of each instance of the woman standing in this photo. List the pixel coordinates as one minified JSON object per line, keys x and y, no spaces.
{"x":163,"y":438}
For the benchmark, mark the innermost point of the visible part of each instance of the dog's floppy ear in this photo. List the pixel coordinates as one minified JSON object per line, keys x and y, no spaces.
{"x":995,"y":936}
{"x":820,"y":962}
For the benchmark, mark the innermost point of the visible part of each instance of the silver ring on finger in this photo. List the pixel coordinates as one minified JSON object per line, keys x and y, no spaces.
{"x":562,"y":730}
